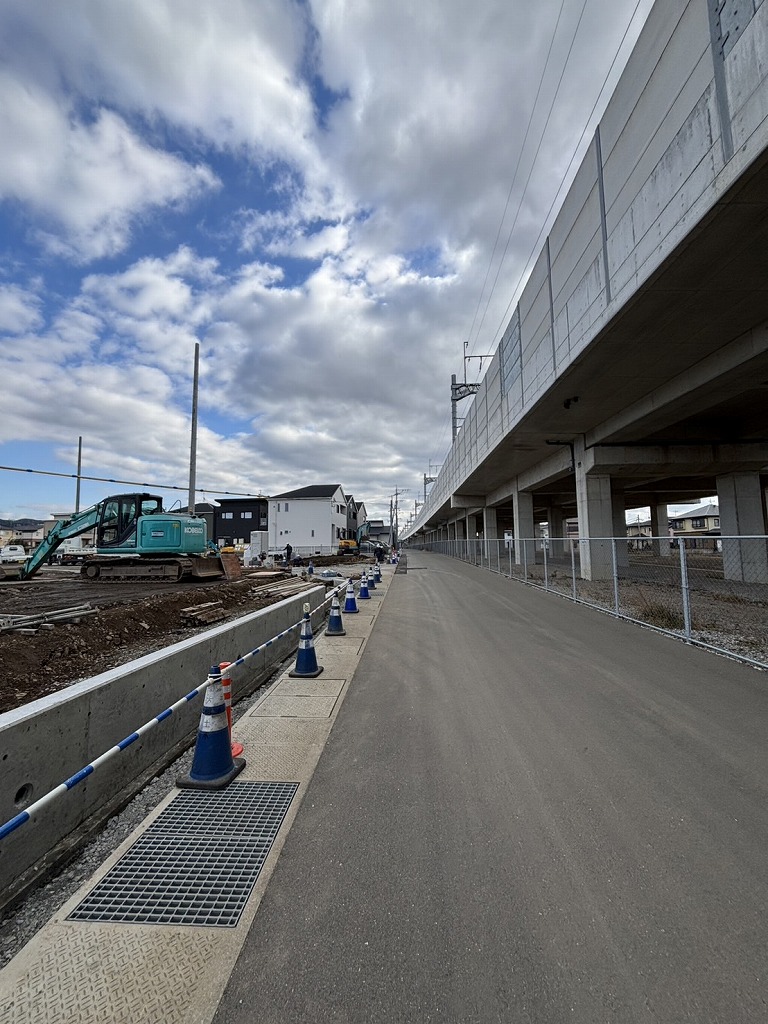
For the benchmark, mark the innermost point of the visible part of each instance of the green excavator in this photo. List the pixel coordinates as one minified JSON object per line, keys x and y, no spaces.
{"x":135,"y":540}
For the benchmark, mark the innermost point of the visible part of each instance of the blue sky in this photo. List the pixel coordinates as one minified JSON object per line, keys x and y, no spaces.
{"x":310,"y":190}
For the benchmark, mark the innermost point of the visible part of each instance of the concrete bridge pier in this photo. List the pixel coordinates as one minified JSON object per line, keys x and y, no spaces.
{"x":660,"y":531}
{"x":490,"y":530}
{"x":556,"y":527}
{"x":595,"y":510}
{"x":522,"y":504}
{"x":741,"y":513}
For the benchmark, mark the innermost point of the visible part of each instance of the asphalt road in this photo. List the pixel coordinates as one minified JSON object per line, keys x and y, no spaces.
{"x":527,"y":812}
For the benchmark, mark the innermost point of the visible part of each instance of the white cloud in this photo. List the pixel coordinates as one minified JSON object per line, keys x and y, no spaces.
{"x":19,"y":309}
{"x":88,"y":180}
{"x":332,"y":310}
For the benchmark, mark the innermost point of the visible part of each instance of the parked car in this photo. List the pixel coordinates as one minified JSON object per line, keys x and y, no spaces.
{"x":13,"y":553}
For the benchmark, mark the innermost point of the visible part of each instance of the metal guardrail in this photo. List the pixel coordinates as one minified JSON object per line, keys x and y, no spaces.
{"x":710,"y":591}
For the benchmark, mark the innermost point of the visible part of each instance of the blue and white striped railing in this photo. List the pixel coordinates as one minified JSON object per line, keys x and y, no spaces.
{"x":64,"y":787}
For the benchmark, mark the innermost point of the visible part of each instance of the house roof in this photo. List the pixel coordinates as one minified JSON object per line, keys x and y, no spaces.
{"x":698,"y":513}
{"x":313,"y":491}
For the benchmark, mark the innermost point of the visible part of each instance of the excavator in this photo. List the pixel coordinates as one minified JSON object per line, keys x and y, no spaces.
{"x":135,"y":540}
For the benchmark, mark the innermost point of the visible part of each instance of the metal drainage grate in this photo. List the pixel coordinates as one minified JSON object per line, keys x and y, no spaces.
{"x":197,"y":862}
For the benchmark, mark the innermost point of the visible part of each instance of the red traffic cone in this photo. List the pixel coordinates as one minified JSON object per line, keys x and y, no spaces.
{"x":226,"y":685}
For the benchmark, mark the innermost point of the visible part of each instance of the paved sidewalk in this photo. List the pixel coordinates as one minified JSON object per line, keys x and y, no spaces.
{"x":77,"y":972}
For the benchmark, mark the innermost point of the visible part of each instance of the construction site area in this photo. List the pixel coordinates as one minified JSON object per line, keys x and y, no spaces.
{"x":61,"y":627}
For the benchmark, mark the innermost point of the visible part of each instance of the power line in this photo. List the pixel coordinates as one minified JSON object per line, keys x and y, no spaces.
{"x":533,"y":163}
{"x":131,"y":483}
{"x":534,"y":249}
{"x":511,"y":187}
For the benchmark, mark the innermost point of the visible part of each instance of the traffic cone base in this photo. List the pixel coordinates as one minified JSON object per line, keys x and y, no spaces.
{"x":190,"y":782}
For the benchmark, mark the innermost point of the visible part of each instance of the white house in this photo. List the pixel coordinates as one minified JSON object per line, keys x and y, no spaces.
{"x":311,"y":519}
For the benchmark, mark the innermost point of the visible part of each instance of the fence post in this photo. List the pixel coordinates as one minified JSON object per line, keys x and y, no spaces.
{"x":685,"y":589}
{"x":573,"y":568}
{"x":510,"y":561}
{"x":544,"y":547}
{"x":525,"y":560}
{"x":615,"y":576}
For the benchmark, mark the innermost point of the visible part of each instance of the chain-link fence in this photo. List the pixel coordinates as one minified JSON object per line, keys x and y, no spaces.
{"x":711,"y":591}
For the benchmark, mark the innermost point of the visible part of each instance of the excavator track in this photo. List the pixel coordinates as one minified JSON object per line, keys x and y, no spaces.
{"x":135,"y":570}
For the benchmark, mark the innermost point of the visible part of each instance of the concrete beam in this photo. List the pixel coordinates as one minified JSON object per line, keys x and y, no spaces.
{"x":673,"y":460}
{"x":557,"y":466}
{"x":467,"y":501}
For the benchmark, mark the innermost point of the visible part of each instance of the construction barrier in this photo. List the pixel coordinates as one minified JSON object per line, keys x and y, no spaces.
{"x":28,"y":727}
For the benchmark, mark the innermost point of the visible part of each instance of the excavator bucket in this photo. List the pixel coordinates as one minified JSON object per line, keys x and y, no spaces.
{"x":208,"y":566}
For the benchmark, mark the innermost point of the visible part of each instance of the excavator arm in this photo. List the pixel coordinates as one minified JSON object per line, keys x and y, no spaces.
{"x":65,"y":528}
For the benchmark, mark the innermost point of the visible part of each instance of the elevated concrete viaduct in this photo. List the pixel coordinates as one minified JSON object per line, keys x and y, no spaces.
{"x":634,"y":369}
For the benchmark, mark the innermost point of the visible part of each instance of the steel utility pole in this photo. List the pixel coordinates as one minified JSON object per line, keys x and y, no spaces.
{"x":393,"y":523}
{"x":79,"y":471}
{"x":193,"y":441}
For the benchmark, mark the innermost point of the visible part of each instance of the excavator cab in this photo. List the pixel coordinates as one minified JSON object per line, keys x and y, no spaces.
{"x":119,"y":515}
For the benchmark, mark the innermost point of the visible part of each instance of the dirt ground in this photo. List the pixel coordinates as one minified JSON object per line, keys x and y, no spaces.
{"x":130,"y":620}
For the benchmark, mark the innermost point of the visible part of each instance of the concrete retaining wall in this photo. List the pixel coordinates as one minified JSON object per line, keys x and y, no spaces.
{"x":48,"y":740}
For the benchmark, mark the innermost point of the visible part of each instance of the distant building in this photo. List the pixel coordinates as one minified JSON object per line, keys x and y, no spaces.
{"x":311,"y":519}
{"x":379,"y":531}
{"x":232,"y":520}
{"x":703,"y":521}
{"x":27,"y":532}
{"x":640,"y":533}
{"x":356,"y":515}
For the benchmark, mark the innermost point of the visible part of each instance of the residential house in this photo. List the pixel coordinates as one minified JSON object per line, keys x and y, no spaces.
{"x":311,"y":519}
{"x":700,"y":526}
{"x":356,"y":516}
{"x":379,"y":532}
{"x":234,"y":519}
{"x":27,"y":532}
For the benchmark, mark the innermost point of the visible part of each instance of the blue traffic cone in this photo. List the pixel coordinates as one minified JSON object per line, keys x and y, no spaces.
{"x":213,"y":766}
{"x":306,"y":659}
{"x":377,"y":572}
{"x":350,"y":604}
{"x":364,"y":595}
{"x":335,"y":623}
{"x":371,"y":580}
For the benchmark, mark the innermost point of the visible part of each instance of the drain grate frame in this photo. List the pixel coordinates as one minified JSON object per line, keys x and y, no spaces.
{"x":197,"y":863}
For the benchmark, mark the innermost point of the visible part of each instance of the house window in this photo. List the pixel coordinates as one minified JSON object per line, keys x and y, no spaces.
{"x":227,"y":515}
{"x":716,"y":521}
{"x":246,"y":515}
{"x":313,"y":533}
{"x":697,"y":524}
{"x":286,"y":507}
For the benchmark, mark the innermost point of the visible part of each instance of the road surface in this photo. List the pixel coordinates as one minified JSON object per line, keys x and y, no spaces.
{"x":527,"y":811}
